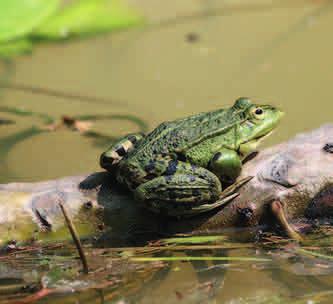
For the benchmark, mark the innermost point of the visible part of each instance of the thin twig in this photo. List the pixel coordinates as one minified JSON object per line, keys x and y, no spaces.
{"x":76,"y":238}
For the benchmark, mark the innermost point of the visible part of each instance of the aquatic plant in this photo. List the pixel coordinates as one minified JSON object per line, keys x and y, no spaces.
{"x":23,"y":23}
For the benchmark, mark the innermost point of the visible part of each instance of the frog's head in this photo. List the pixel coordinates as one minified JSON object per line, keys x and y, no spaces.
{"x":260,"y":121}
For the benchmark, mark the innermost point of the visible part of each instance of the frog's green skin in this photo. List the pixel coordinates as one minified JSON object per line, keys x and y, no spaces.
{"x":180,"y":165}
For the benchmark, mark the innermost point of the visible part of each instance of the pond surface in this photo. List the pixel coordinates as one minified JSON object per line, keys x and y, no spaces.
{"x":196,"y":55}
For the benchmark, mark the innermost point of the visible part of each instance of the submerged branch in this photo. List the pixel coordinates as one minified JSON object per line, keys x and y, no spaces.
{"x":76,"y":238}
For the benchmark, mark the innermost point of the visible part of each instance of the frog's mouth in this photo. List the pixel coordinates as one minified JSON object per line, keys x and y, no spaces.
{"x":250,"y":145}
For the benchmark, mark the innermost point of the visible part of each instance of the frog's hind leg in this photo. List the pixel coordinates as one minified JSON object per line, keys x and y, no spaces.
{"x":177,"y":194}
{"x":115,"y":153}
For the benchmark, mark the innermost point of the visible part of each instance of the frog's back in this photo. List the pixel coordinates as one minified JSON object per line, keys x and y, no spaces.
{"x":171,"y":136}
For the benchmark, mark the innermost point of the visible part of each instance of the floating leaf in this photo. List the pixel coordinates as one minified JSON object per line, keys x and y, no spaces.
{"x":20,"y":17}
{"x":195,"y":239}
{"x":198,"y":258}
{"x":88,"y":17}
{"x":14,"y":48}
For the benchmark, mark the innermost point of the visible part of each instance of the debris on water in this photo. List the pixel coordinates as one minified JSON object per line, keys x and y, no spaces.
{"x":6,"y":121}
{"x":192,"y":37}
{"x":71,"y":123}
{"x":199,"y":258}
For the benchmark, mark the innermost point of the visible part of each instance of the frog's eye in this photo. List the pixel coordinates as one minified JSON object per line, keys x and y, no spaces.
{"x":259,"y":111}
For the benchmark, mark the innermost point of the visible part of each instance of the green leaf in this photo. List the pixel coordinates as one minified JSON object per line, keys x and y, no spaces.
{"x":88,"y":17}
{"x":14,"y":48}
{"x":195,"y":239}
{"x":315,"y":254}
{"x":19,"y":17}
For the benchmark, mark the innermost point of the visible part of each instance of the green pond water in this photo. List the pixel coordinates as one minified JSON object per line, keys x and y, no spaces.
{"x":196,"y":55}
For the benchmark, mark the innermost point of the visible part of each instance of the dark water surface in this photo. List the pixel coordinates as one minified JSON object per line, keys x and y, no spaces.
{"x":198,"y":55}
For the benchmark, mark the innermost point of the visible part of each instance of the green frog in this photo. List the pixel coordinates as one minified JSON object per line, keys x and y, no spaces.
{"x":181,"y":167}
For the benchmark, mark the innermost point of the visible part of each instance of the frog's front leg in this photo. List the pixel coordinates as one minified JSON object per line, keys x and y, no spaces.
{"x":176,"y":194}
{"x":226,"y":164}
{"x":114,"y":154}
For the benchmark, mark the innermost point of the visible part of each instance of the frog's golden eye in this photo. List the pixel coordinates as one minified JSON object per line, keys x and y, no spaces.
{"x":258,"y":113}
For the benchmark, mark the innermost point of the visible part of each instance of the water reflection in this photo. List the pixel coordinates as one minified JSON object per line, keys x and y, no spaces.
{"x":49,"y":123}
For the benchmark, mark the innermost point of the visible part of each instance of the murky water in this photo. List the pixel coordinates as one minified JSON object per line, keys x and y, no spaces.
{"x":198,"y":55}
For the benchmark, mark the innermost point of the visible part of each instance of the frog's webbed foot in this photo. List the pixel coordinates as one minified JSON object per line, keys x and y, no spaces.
{"x":279,"y":214}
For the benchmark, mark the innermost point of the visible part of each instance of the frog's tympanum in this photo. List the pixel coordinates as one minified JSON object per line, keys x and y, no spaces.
{"x":179,"y":168}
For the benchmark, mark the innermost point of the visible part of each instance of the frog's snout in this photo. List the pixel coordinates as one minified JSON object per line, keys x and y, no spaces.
{"x":280,"y":113}
{"x":106,"y":161}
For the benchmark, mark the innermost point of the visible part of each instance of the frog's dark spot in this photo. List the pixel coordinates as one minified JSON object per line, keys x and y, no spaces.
{"x":245,"y":214}
{"x":150,"y":176}
{"x":88,"y":205}
{"x":173,"y":194}
{"x":196,"y":200}
{"x":328,"y":148}
{"x":121,"y":151}
{"x":168,"y":178}
{"x":196,"y":192}
{"x":155,"y":151}
{"x":172,"y":167}
{"x":192,"y":178}
{"x":132,"y":139}
{"x":181,"y":157}
{"x":150,"y":167}
{"x":217,"y":156}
